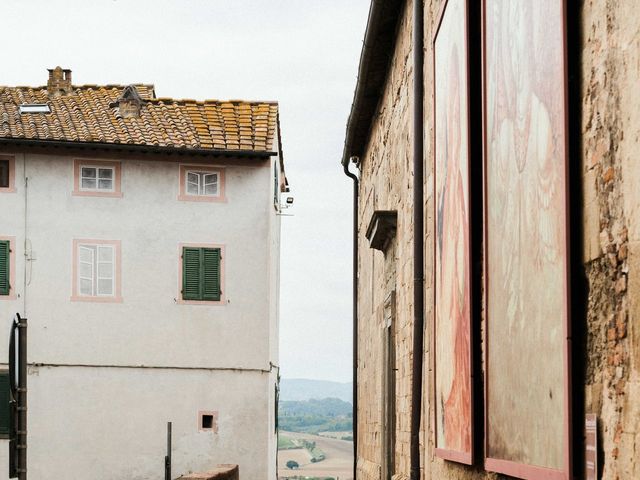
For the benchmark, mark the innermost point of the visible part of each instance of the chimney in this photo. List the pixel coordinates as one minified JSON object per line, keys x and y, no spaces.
{"x":130,"y":103}
{"x":59,"y":82}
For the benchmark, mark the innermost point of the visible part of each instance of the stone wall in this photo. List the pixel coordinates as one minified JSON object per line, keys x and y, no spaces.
{"x":387,"y":185}
{"x":611,"y":203}
{"x":607,"y":216}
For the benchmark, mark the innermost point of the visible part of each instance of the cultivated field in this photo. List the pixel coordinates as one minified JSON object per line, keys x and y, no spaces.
{"x":338,"y":462}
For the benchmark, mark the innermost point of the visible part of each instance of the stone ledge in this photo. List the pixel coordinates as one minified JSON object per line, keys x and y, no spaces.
{"x":221,"y":472}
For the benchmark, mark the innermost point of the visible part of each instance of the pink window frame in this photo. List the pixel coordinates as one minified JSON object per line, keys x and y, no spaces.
{"x":88,"y":162}
{"x":214,"y":427}
{"x":186,"y":197}
{"x":12,"y":174}
{"x":12,"y":269}
{"x":117,"y":297}
{"x":222,"y":300}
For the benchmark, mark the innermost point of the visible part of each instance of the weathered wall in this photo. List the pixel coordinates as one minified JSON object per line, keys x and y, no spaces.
{"x":610,"y":222}
{"x":611,"y":175}
{"x":199,"y":357}
{"x":387,"y":185}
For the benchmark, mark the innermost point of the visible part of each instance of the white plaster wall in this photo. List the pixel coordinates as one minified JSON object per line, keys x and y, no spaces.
{"x":149,"y":327}
{"x":274,"y":313}
{"x":111,"y":423}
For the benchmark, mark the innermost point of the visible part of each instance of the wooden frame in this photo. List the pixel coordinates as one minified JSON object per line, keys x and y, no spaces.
{"x":452,"y":454}
{"x":508,"y":467}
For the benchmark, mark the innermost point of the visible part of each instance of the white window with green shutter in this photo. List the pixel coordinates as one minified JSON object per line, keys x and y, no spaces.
{"x":201,"y":274}
{"x":5,"y":267}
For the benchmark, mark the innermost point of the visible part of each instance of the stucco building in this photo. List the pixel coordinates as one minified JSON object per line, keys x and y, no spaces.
{"x":580,"y":381}
{"x":140,"y":236}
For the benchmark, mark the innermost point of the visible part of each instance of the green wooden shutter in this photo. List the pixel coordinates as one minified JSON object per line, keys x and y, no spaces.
{"x":4,"y":404}
{"x":191,"y":272}
{"x":211,"y":274}
{"x":4,"y":267}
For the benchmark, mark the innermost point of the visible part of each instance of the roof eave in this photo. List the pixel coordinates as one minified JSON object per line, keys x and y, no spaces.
{"x":375,"y":60}
{"x":137,"y":148}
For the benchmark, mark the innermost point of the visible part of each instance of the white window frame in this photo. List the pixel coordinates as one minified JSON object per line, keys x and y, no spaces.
{"x":202,"y":183}
{"x":97,"y":188}
{"x":95,"y":264}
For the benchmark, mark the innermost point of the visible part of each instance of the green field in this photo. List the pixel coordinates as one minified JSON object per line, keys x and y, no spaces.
{"x":286,"y":443}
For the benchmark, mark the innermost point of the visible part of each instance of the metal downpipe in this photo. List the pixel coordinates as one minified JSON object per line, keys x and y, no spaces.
{"x":345,"y":166}
{"x":418,"y":237}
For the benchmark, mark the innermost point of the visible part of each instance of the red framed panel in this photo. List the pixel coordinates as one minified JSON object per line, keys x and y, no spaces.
{"x":526,"y":240}
{"x":453,"y":333}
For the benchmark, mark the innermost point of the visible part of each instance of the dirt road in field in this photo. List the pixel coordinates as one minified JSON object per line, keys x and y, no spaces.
{"x":338,"y":464}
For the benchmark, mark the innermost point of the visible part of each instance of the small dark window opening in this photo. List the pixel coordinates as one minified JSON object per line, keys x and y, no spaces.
{"x":207,"y":422}
{"x":4,"y":173}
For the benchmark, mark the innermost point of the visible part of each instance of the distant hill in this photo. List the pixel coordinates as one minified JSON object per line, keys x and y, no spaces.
{"x":314,"y":416}
{"x":328,"y":407}
{"x":303,"y":389}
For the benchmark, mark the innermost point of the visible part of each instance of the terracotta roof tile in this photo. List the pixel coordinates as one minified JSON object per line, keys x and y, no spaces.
{"x":90,"y":114}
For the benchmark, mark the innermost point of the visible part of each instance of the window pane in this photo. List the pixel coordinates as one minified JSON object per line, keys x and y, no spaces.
{"x":211,"y":184}
{"x":193,"y":177}
{"x":86,"y":287}
{"x":86,"y":254}
{"x":86,"y":270}
{"x":106,"y":173}
{"x":211,"y":189}
{"x":105,"y":254}
{"x":89,"y":183}
{"x":105,"y":184}
{"x":4,"y":173}
{"x":210,"y":178}
{"x":105,"y":287}
{"x":105,"y":270}
{"x":88,"y":172}
{"x":193,"y":183}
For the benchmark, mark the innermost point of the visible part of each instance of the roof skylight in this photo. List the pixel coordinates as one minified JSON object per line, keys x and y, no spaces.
{"x":35,"y":108}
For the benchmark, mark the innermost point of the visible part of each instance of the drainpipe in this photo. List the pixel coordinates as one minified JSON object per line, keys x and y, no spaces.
{"x":345,"y":166}
{"x":25,"y":243}
{"x":418,"y":237}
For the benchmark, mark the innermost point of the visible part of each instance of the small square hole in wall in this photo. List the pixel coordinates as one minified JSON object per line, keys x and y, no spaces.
{"x":208,"y":421}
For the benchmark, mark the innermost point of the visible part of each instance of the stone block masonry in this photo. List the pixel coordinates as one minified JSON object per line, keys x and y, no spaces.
{"x":607,"y":216}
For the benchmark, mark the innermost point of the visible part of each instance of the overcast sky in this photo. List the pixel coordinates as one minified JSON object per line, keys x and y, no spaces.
{"x":302,"y":53}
